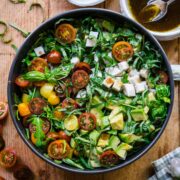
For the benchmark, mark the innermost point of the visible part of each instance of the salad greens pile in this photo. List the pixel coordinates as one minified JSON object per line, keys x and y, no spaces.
{"x":92,"y":92}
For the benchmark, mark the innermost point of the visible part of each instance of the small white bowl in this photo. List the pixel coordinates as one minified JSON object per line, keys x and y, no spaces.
{"x":162,"y":36}
{"x":84,"y":3}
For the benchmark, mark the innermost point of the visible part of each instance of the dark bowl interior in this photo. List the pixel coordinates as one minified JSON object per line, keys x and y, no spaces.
{"x":16,"y":66}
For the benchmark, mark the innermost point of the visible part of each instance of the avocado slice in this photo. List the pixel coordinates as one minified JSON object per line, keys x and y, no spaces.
{"x":122,"y":149}
{"x":103,"y":140}
{"x":96,"y":101}
{"x":117,"y":122}
{"x":94,"y":135}
{"x":98,"y":114}
{"x":129,"y":138}
{"x":105,"y":122}
{"x":114,"y":142}
{"x":139,"y":115}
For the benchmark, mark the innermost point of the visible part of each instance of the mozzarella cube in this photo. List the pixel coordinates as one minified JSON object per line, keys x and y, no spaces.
{"x":117,"y":86}
{"x":133,"y":72}
{"x":39,"y":51}
{"x":129,"y":90}
{"x":144,"y":73}
{"x":75,"y":60}
{"x":109,"y":70}
{"x":123,"y":66}
{"x":81,"y":94}
{"x":92,"y":39}
{"x":134,"y":79}
{"x":140,"y":87}
{"x":108,"y":82}
{"x":116,"y":71}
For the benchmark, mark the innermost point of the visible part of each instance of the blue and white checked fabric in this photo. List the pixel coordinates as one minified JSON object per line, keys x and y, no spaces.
{"x":161,"y":166}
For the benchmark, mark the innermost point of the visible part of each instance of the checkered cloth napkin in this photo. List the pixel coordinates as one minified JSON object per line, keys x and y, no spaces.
{"x":161,"y":166}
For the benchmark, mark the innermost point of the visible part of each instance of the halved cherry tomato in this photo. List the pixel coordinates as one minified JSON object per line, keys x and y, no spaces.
{"x":122,"y":51}
{"x":45,"y":127}
{"x":83,"y":66}
{"x":2,"y":143}
{"x":21,"y":82}
{"x":66,"y":33}
{"x":3,"y":110}
{"x":80,"y":79}
{"x":24,"y":109}
{"x":109,"y":158}
{"x":58,"y":149}
{"x":53,"y":136}
{"x":64,"y":136}
{"x":69,"y":103}
{"x":7,"y":158}
{"x":58,"y":114}
{"x":22,"y":172}
{"x":38,"y":64}
{"x":36,"y":106}
{"x":54,"y":57}
{"x":163,"y":77}
{"x":87,"y":121}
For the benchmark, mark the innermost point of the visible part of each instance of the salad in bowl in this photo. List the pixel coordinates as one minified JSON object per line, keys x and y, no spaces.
{"x":92,"y":92}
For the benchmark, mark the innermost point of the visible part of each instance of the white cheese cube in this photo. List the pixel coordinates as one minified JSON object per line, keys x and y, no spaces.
{"x":92,"y":39}
{"x":134,"y":79}
{"x":81,"y":94}
{"x":75,"y":60}
{"x":133,"y":72}
{"x":129,"y":90}
{"x":117,"y":86}
{"x":140,"y":87}
{"x":144,"y":73}
{"x":108,"y":82}
{"x":39,"y":51}
{"x":109,"y":70}
{"x":116,"y":71}
{"x":123,"y":66}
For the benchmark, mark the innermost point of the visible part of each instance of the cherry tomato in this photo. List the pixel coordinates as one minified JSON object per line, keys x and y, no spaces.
{"x":38,"y":64}
{"x":66,"y":33}
{"x":23,"y":172}
{"x":36,"y":106}
{"x":58,"y":114}
{"x":87,"y":121}
{"x":64,"y":136}
{"x":122,"y":51}
{"x":83,"y":66}
{"x":64,"y":88}
{"x":58,"y":149}
{"x":45,"y":126}
{"x":163,"y":77}
{"x":7,"y":158}
{"x":3,"y":110}
{"x":39,"y":83}
{"x":80,"y":79}
{"x":53,"y":136}
{"x":69,"y":103}
{"x":2,"y":143}
{"x":21,"y":82}
{"x":109,"y":158}
{"x":54,"y":57}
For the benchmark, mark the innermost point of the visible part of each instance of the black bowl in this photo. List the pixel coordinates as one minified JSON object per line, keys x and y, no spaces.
{"x":16,"y":66}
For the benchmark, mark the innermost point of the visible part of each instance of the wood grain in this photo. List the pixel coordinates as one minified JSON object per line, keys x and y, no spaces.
{"x":139,"y":170}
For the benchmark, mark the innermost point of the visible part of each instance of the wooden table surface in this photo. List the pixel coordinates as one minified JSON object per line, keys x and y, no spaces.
{"x":139,"y":170}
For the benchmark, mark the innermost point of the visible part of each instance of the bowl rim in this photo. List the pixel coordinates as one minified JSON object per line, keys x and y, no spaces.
{"x":11,"y":84}
{"x":171,"y":33}
{"x":75,"y":2}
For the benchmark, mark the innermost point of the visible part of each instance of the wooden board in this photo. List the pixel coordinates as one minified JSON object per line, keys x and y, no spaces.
{"x":139,"y":170}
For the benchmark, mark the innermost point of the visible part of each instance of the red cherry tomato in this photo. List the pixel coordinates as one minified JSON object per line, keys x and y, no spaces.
{"x":80,"y":79}
{"x":58,"y":149}
{"x":38,"y":64}
{"x":7,"y":158}
{"x":69,"y":103}
{"x":36,"y":106}
{"x":163,"y":77}
{"x":64,"y":136}
{"x":83,"y":66}
{"x":109,"y":158}
{"x":53,"y":136}
{"x":21,"y":82}
{"x":3,"y":110}
{"x":54,"y":57}
{"x":87,"y":121}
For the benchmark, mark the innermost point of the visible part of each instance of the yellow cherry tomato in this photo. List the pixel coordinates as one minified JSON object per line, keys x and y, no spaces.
{"x":71,"y":123}
{"x":25,"y":98}
{"x":46,"y":90}
{"x":53,"y":99}
{"x":23,"y":109}
{"x":58,"y":114}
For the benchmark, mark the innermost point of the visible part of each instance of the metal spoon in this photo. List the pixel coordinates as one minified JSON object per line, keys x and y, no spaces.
{"x":162,"y":5}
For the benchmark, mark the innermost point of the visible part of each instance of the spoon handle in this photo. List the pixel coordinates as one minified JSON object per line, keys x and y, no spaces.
{"x":176,"y":72}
